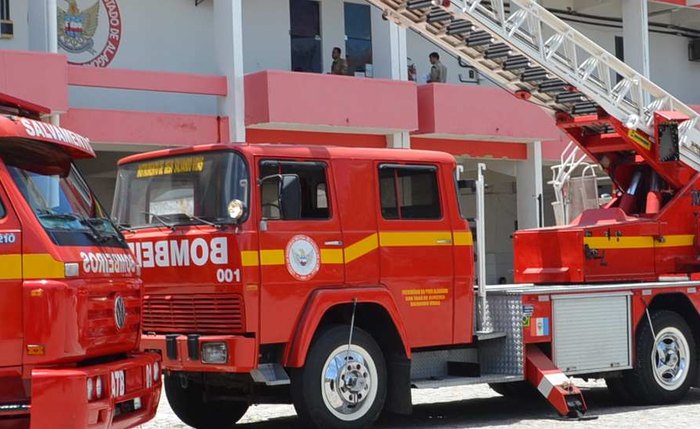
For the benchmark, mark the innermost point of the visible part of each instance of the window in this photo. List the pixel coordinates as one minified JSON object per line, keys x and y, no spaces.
{"x":2,"y":210}
{"x":315,"y":202}
{"x":6,"y":25}
{"x":305,"y":34}
{"x":358,"y":37}
{"x":619,"y":51}
{"x":409,"y":192}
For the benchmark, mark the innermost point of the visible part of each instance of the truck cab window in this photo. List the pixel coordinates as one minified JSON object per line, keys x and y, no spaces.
{"x":2,"y":210}
{"x":315,"y":201}
{"x":409,"y":192}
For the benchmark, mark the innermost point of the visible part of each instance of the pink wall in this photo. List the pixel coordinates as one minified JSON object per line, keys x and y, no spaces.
{"x":167,"y":129}
{"x":308,"y":100}
{"x":477,"y":111}
{"x":36,"y":78}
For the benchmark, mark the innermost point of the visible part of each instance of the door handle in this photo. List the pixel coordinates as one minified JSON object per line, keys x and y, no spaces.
{"x":336,"y":243}
{"x":448,"y":241}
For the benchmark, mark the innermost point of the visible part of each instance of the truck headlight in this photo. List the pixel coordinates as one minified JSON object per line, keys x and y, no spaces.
{"x":214,"y":353}
{"x":90,"y":389}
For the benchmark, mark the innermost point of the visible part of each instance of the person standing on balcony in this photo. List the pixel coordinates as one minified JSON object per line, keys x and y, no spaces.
{"x":438,"y":71}
{"x":339,"y":66}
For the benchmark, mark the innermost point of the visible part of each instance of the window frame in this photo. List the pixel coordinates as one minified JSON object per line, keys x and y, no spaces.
{"x":433,"y":168}
{"x":322,"y":164}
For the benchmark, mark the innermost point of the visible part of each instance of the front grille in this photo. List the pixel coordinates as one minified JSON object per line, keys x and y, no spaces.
{"x":101,"y":328}
{"x":201,"y":314}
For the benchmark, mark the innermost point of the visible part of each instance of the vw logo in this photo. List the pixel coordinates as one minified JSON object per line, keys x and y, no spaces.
{"x":119,"y":312}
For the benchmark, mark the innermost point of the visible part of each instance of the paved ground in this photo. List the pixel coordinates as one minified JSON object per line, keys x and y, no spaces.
{"x":479,"y":406}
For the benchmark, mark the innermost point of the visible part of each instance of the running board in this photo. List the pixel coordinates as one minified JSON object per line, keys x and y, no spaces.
{"x":554,"y":385}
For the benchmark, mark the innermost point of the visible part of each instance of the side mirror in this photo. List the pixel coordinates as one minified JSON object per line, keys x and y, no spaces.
{"x":290,"y":196}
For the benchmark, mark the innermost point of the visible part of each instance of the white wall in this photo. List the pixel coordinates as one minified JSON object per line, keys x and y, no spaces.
{"x":170,"y":36}
{"x":266,"y":40}
{"x":19,"y":15}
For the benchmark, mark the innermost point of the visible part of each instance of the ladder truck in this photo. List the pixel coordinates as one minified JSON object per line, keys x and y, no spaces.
{"x":70,"y":294}
{"x":339,"y":279}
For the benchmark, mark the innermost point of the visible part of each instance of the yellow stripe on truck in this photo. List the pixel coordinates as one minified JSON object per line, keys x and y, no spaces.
{"x":10,"y":267}
{"x":415,"y":239}
{"x":638,"y":242}
{"x":251,"y":258}
{"x":33,"y":266}
{"x":361,"y":248}
{"x":42,"y":266}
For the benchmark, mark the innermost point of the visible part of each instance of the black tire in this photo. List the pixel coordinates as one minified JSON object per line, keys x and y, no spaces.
{"x":314,"y":399}
{"x":189,"y":406}
{"x":649,"y":382}
{"x":516,"y":390}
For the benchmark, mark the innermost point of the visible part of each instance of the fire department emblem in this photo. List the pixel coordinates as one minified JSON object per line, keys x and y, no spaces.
{"x":85,"y":24}
{"x":303,"y":261}
{"x":119,"y":312}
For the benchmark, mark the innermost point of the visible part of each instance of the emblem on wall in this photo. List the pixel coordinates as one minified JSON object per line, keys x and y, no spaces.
{"x":90,"y":31}
{"x":303,"y":257}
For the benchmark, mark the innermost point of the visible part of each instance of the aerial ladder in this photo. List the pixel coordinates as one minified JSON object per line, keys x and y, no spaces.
{"x":607,"y":107}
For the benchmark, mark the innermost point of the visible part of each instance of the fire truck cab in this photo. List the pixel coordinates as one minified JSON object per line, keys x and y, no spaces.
{"x":70,"y":296}
{"x":340,"y":278}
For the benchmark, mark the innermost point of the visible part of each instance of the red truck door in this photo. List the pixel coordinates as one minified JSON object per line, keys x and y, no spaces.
{"x":10,"y":282}
{"x":297,"y":255}
{"x":416,"y":250}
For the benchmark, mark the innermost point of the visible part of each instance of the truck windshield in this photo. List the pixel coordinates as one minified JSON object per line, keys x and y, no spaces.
{"x":65,"y":205}
{"x":180,"y":190}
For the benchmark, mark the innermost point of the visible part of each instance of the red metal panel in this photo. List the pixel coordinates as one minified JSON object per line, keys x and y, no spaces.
{"x":186,"y":83}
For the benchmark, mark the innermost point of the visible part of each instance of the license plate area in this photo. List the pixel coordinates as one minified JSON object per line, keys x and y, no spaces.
{"x":118,"y":383}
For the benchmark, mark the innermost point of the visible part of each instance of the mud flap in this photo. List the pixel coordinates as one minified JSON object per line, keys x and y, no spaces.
{"x":554,"y":385}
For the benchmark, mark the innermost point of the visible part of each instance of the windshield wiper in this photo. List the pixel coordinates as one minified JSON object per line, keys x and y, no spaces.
{"x":160,"y":219}
{"x":96,"y":233}
{"x":206,"y":222}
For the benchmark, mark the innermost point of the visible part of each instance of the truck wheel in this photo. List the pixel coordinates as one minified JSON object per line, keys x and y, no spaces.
{"x":516,"y":389}
{"x":189,"y":406}
{"x":337,"y":388}
{"x":665,"y":363}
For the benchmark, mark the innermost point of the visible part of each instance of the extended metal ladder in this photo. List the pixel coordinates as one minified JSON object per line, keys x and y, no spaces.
{"x":526,"y":49}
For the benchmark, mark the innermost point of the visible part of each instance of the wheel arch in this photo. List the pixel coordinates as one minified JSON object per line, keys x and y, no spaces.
{"x":376,"y":313}
{"x":682,"y":305}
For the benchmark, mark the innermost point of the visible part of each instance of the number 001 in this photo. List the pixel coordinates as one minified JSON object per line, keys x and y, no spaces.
{"x":227,"y":275}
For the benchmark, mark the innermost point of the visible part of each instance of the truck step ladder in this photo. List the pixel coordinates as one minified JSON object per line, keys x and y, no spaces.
{"x":528,"y":50}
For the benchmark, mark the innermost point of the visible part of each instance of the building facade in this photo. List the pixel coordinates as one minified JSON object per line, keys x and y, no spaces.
{"x":136,"y":75}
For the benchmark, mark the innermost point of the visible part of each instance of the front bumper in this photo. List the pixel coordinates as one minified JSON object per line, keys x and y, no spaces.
{"x":59,"y":396}
{"x":242,"y":352}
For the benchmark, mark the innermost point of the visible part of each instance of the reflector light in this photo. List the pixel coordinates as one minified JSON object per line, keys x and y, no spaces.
{"x":35,"y":350}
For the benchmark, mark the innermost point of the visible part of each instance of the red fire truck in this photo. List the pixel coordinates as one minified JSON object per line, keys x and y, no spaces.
{"x":70,"y":296}
{"x":341,"y":278}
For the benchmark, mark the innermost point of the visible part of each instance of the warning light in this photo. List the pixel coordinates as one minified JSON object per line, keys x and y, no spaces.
{"x":35,"y":350}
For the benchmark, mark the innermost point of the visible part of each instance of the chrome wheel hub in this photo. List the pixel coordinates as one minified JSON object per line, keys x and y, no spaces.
{"x":670,"y":358}
{"x":349,"y":382}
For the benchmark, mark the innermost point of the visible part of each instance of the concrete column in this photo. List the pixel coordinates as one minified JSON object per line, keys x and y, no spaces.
{"x":389,"y":48}
{"x":529,"y":188}
{"x":42,"y":19}
{"x":635,"y":19}
{"x":228,"y":44}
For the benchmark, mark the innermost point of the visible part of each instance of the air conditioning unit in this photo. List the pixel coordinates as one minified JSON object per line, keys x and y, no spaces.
{"x":7,"y":29}
{"x":694,"y":50}
{"x":470,"y":75}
